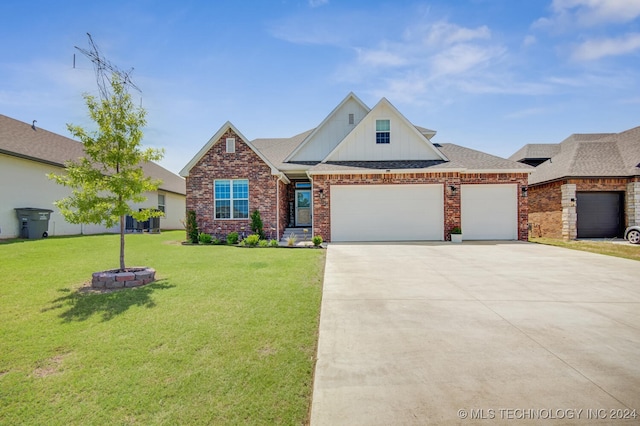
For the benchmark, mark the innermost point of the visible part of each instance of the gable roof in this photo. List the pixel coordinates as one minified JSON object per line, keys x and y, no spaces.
{"x":536,"y":151}
{"x":385,"y":104}
{"x":215,"y":138}
{"x":592,"y":155}
{"x":309,"y":139}
{"x":19,"y":139}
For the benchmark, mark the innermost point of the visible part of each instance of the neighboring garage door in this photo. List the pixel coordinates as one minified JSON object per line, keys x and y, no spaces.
{"x":489,"y":212}
{"x":600,"y":214}
{"x":387,"y":212}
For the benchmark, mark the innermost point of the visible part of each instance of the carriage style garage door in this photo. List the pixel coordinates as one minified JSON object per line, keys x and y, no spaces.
{"x":489,"y":212}
{"x":600,"y":214}
{"x":387,"y":212}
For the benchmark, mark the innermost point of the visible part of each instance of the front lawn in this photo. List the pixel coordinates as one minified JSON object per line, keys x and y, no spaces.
{"x":225,"y":335}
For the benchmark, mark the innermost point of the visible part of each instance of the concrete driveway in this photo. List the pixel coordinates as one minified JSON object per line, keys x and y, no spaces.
{"x":414,"y":334}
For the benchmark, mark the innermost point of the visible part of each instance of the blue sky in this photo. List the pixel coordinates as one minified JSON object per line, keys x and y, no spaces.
{"x":491,"y":75}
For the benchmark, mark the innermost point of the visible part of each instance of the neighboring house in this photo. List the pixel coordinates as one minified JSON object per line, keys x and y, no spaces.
{"x":587,"y":186}
{"x":362,"y":175}
{"x":28,"y":154}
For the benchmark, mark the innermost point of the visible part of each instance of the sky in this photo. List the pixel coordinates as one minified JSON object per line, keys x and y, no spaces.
{"x":491,"y":75}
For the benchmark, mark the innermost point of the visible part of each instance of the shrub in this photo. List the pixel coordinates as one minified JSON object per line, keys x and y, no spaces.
{"x":204,"y":238}
{"x":263,"y":243}
{"x":192,"y":227}
{"x":317,"y":240}
{"x":216,"y":241}
{"x":274,"y":243}
{"x":256,"y":224}
{"x":252,"y":240}
{"x":291,"y":239}
{"x":456,"y":230}
{"x":232,"y":238}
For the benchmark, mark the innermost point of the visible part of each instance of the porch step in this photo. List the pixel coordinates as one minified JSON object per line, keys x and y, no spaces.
{"x":299,"y":233}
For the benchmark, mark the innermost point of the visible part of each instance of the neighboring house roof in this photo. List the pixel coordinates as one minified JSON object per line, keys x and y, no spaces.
{"x":19,"y":139}
{"x":534,"y":151}
{"x":590,"y":155}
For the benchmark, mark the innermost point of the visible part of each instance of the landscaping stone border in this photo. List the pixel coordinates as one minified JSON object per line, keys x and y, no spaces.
{"x":132,"y":277}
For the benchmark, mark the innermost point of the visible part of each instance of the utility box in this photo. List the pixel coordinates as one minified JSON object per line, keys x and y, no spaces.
{"x":33,"y":222}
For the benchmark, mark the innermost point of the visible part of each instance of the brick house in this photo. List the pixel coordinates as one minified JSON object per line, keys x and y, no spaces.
{"x":364,"y":174}
{"x":587,"y":186}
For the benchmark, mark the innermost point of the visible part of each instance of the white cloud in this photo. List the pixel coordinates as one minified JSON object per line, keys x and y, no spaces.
{"x":567,"y":14}
{"x":462,"y":58}
{"x":599,"y":48}
{"x":529,"y":41}
{"x":446,"y":34}
{"x":380,"y":58}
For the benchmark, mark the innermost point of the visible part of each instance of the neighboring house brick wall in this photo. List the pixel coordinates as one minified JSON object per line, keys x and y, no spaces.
{"x":552,"y":214}
{"x":545,"y":210}
{"x":322,"y":200}
{"x":218,"y":164}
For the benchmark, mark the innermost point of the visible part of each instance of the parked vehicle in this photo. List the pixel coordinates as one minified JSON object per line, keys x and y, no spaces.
{"x":632,"y":234}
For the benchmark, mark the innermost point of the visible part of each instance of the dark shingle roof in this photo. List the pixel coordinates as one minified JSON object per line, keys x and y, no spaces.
{"x":276,"y":150}
{"x":592,"y":155}
{"x":20,"y":139}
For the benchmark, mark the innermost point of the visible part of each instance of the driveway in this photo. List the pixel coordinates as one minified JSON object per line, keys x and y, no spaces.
{"x":506,"y":332}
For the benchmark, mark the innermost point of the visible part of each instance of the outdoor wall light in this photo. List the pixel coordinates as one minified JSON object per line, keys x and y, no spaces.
{"x":524,"y":191}
{"x":453,"y":189}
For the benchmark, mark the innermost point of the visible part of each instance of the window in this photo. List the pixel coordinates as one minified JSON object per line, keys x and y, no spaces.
{"x":383,"y":131}
{"x":231,"y":199}
{"x":161,"y":202}
{"x":303,"y":185}
{"x":351,"y":119}
{"x":231,"y":145}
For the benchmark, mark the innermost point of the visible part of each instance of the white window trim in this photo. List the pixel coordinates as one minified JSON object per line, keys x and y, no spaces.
{"x":375,"y":130}
{"x":231,"y":200}
{"x":164,"y":204}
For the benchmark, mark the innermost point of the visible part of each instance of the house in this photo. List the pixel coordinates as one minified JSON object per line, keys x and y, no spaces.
{"x":363,"y":174}
{"x":28,"y":153}
{"x":587,"y":186}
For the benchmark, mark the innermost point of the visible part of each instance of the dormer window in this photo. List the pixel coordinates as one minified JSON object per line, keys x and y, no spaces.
{"x":383,"y":131}
{"x":231,"y":145}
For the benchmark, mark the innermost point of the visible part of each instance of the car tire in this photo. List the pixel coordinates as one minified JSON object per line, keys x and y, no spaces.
{"x":633,"y":237}
{"x":45,"y":234}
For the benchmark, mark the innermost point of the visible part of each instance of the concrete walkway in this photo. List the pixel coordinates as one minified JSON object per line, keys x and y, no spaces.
{"x":477,"y":333}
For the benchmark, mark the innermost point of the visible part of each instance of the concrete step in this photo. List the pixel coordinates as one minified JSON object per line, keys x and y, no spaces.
{"x":299,"y":234}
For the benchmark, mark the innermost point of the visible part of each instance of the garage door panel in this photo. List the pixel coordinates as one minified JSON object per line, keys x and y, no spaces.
{"x":600,"y":214}
{"x":387,"y":212}
{"x":489,"y":211}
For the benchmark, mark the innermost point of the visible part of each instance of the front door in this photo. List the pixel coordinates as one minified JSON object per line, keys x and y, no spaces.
{"x":303,"y":207}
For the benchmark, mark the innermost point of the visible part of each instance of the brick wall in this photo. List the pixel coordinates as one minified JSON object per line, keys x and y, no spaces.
{"x":545,"y":210}
{"x":322,"y":194}
{"x":243,"y":164}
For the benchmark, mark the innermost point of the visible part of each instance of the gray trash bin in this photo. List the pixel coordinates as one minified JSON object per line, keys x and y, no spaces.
{"x":33,"y":222}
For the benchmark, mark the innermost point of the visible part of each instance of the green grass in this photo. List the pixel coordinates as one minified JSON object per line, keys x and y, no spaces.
{"x":627,"y":251}
{"x":224,"y":336}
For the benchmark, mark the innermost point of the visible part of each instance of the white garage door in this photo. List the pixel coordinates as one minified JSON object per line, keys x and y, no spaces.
{"x":489,"y":212}
{"x":387,"y":212}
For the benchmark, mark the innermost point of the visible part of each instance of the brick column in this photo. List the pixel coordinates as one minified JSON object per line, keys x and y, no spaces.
{"x":633,"y":203}
{"x":569,"y":214}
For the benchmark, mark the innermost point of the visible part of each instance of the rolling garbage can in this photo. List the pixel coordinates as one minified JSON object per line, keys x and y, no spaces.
{"x":33,"y":222}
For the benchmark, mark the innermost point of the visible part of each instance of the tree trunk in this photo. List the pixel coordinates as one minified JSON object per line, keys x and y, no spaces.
{"x":122,"y":219}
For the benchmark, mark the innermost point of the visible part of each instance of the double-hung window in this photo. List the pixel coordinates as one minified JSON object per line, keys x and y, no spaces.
{"x":231,"y":199}
{"x":383,"y":131}
{"x":161,"y":205}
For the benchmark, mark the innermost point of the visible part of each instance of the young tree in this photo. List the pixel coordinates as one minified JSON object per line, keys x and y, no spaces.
{"x":110,"y":176}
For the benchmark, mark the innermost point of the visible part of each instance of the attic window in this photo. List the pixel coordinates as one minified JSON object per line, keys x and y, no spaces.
{"x":351,"y":119}
{"x":383,"y":131}
{"x":231,"y":145}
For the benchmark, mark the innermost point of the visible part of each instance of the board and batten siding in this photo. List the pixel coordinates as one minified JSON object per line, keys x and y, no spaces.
{"x":406,"y":141}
